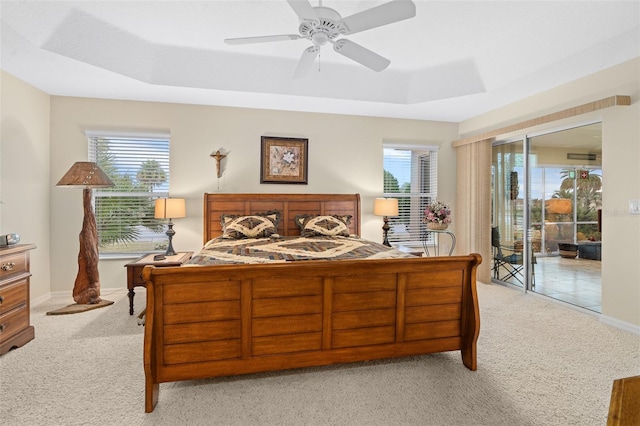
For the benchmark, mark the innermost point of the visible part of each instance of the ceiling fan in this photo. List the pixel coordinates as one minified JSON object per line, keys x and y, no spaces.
{"x":322,"y":25}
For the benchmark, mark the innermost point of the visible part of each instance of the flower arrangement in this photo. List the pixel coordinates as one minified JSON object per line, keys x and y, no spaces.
{"x":437,"y":212}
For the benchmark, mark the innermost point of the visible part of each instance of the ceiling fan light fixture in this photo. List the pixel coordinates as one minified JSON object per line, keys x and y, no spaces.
{"x":322,"y":24}
{"x":320,"y":39}
{"x":327,"y":23}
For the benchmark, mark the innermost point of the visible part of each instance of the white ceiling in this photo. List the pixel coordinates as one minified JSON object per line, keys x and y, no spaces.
{"x":454,"y":60}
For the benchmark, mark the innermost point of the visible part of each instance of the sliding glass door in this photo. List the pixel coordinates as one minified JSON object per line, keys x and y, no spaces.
{"x":509,"y":214}
{"x":565,"y":205}
{"x":546,"y":203}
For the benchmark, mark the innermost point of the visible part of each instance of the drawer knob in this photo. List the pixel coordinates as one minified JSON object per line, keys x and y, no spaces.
{"x":1,"y":300}
{"x":8,"y":266}
{"x":2,"y":327}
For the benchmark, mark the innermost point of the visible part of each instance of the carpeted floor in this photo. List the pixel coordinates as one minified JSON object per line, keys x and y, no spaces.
{"x":539,"y":363}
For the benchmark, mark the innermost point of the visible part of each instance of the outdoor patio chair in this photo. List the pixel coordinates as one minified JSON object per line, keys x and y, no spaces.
{"x":505,"y":266}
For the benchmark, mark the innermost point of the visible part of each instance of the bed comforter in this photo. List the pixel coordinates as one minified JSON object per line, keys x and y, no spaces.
{"x":287,"y":249}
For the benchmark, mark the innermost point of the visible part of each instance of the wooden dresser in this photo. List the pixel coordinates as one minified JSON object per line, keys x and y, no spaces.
{"x":15,"y":325}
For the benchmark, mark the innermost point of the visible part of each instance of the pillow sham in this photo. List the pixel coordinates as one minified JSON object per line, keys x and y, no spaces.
{"x":325,"y":226}
{"x":300,"y":218}
{"x":258,"y":225}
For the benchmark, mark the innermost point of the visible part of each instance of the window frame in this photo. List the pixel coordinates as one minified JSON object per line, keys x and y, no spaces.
{"x":418,"y":198}
{"x":156,"y":226}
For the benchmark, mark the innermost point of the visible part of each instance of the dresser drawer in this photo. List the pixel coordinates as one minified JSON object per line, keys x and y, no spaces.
{"x":13,"y":323}
{"x":13,"y":265}
{"x":15,"y":330}
{"x":13,"y":295}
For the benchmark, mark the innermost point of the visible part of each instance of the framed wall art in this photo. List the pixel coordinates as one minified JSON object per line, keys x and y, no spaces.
{"x":284,"y":160}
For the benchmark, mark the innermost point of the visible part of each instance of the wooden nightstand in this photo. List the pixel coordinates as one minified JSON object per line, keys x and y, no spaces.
{"x":15,"y":325}
{"x":134,"y":270}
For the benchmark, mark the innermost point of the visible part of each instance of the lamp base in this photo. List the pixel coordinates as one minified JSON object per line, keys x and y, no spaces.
{"x":86,"y":289}
{"x":170,"y":233}
{"x":385,"y":230}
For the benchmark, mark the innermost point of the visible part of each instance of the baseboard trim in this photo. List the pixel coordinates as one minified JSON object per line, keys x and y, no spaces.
{"x":68,"y":293}
{"x":622,"y":325}
{"x":41,"y":299}
{"x":613,"y":322}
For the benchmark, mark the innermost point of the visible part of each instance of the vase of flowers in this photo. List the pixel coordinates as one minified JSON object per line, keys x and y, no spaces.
{"x":437,"y":215}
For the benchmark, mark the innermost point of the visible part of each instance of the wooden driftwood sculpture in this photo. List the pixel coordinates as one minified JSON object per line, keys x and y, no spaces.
{"x":86,"y":289}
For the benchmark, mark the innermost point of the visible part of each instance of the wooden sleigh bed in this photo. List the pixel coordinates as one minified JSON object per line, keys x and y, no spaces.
{"x":222,"y":320}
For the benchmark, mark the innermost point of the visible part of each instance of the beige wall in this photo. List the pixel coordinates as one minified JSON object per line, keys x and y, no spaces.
{"x":345,"y":156}
{"x":24,"y":173}
{"x":620,"y":160}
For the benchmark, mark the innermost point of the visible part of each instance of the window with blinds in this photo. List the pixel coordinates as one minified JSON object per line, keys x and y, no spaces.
{"x":139,"y":168}
{"x":411,"y":176}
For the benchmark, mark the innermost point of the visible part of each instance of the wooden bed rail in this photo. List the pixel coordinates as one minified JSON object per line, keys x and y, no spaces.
{"x":211,"y":321}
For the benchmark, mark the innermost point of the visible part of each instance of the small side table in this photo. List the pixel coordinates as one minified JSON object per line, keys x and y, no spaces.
{"x":134,"y":270}
{"x":436,"y":233}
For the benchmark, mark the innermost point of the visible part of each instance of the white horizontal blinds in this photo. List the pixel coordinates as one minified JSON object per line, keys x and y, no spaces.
{"x":410,"y":174}
{"x":139,"y":168}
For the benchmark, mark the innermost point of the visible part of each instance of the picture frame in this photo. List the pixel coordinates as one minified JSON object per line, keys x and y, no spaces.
{"x":284,"y":160}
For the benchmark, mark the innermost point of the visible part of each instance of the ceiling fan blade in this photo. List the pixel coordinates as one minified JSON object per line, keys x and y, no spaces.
{"x":387,"y":13}
{"x":361,"y":54}
{"x":306,"y":61}
{"x":262,"y":39}
{"x":303,"y":9}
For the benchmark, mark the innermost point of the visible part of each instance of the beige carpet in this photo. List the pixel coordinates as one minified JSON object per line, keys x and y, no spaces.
{"x":539,"y":363}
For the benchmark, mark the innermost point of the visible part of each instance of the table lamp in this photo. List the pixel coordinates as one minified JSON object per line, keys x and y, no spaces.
{"x":170,"y":208}
{"x":385,"y":207}
{"x":87,"y":175}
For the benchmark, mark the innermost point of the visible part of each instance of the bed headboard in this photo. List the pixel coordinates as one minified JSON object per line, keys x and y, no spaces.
{"x":289,"y":206}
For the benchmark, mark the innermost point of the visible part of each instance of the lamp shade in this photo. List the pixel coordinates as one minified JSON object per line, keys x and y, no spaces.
{"x":385,"y":207}
{"x":170,"y":208}
{"x":85,"y":174}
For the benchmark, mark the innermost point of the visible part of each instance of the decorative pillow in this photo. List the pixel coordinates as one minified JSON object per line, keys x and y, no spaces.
{"x":299,"y":219}
{"x":326,"y":225}
{"x":259,"y":225}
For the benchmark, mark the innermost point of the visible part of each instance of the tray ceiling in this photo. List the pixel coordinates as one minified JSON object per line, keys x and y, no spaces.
{"x":453,"y":61}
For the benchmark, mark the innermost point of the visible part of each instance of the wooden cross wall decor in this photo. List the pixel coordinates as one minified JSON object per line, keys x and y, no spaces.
{"x":218,"y":156}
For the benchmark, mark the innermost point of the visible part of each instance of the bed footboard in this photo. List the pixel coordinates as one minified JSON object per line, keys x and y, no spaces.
{"x":211,"y":321}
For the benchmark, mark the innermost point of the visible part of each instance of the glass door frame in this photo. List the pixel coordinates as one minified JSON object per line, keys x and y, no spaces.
{"x":527,"y":235}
